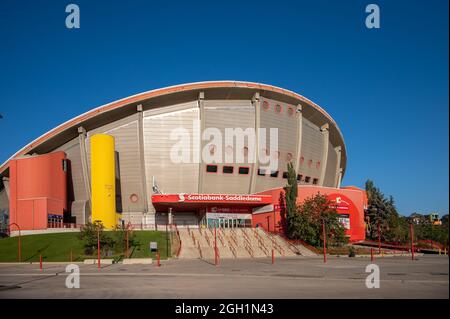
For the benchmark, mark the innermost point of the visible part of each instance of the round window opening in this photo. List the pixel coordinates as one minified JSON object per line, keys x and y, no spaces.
{"x":291,"y":111}
{"x":212,"y":149}
{"x":134,"y":198}
{"x":289,"y":157}
{"x":278,"y":108}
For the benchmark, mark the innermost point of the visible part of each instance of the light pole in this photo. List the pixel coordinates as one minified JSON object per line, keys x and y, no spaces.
{"x":19,"y":243}
{"x":167,"y":232}
{"x":274,"y":219}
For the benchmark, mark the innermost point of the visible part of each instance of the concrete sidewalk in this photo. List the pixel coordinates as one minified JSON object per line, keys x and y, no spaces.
{"x":296,"y":277}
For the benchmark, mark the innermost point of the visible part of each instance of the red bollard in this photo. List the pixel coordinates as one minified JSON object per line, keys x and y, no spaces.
{"x":98,"y":248}
{"x":158,"y":259}
{"x":216,"y":261}
{"x":379,"y":238}
{"x":40,"y":262}
{"x":273,"y":256}
{"x":324,"y":243}
{"x":371,"y":254}
{"x":126,"y":252}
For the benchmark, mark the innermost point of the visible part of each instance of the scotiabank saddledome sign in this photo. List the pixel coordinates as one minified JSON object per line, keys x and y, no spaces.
{"x":219,"y":198}
{"x":213,"y":199}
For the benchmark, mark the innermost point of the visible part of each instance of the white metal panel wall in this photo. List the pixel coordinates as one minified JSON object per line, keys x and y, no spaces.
{"x":223,"y":114}
{"x":181,"y":219}
{"x":330,"y":172}
{"x":170,"y":177}
{"x":311,"y":150}
{"x":126,"y":139}
{"x":287,"y":139}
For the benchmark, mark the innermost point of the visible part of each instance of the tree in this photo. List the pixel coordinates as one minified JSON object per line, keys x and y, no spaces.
{"x":291,"y":192}
{"x":307,"y":222}
{"x":88,"y":234}
{"x":382,"y":211}
{"x":120,"y":239}
{"x":315,"y":211}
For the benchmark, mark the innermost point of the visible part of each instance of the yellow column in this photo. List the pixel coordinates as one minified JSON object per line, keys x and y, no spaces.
{"x":103,"y":180}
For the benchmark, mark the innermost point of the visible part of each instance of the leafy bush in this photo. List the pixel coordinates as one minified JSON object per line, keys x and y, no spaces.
{"x":90,"y":233}
{"x":307,"y":223}
{"x":351,"y":251}
{"x":120,"y":238}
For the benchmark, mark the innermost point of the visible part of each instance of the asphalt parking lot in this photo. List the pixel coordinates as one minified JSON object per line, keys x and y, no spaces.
{"x":298,"y":277}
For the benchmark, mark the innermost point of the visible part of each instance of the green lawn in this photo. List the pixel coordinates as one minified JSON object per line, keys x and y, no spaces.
{"x":57,"y":247}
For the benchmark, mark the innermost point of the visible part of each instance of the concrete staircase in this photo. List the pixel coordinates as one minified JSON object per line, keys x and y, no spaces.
{"x":234,"y":243}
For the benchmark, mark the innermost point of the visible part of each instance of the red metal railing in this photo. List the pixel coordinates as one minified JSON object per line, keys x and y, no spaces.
{"x":200,"y":251}
{"x":249,"y":250}
{"x":233,"y":250}
{"x":276,"y":245}
{"x":207,"y":239}
{"x":193,"y":238}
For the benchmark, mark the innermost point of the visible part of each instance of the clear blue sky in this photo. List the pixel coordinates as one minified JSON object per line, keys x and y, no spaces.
{"x":387,"y":88}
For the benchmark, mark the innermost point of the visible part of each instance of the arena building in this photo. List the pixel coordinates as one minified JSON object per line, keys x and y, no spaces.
{"x":64,"y":179}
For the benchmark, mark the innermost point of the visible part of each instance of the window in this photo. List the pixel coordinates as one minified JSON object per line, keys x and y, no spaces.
{"x":134,"y":198}
{"x":64,"y":165}
{"x":266,"y":106}
{"x":261,"y":172}
{"x":291,"y":111}
{"x":307,"y":179}
{"x":229,"y":150}
{"x":299,"y":177}
{"x":227,"y":169}
{"x":285,"y":175}
{"x":318,"y":165}
{"x":212,"y":149}
{"x":315,"y":181}
{"x":211,"y":168}
{"x":278,"y":108}
{"x":310,"y":162}
{"x":243,"y":170}
{"x":274,"y":174}
{"x":288,"y":157}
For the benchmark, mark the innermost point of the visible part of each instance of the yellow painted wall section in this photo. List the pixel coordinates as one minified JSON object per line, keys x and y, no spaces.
{"x":103,"y":180}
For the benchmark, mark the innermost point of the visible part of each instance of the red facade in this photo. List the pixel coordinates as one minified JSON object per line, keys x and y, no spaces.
{"x":38,"y":190}
{"x":350,"y":204}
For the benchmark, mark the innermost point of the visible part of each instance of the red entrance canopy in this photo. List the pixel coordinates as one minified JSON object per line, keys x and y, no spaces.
{"x":195,"y":201}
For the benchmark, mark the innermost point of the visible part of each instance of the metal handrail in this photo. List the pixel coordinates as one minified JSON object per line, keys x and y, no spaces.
{"x":207,"y":239}
{"x":249,"y":250}
{"x":193,"y":238}
{"x":233,"y":250}
{"x":261,"y":242}
{"x":221,"y":239}
{"x":274,"y":242}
